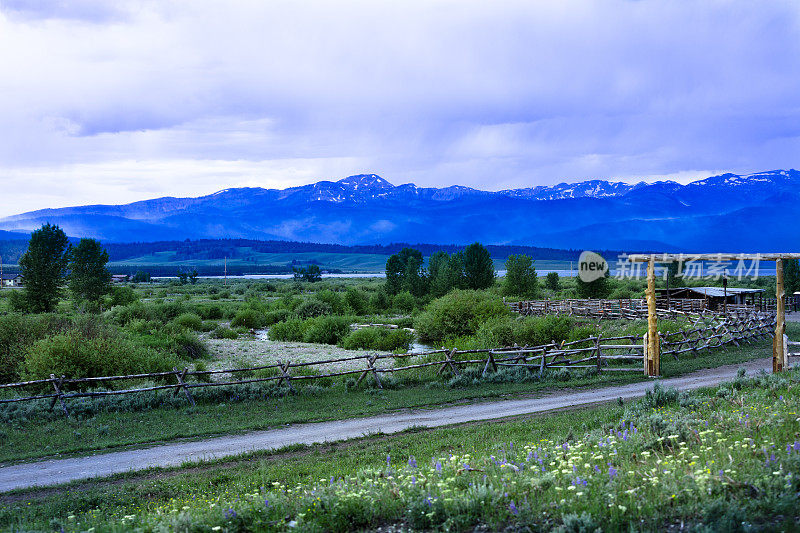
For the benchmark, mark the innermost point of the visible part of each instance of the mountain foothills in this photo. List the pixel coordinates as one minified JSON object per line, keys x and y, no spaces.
{"x":755,"y":212}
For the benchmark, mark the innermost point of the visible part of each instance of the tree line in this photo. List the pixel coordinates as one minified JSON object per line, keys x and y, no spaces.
{"x":469,"y":268}
{"x":219,"y":248}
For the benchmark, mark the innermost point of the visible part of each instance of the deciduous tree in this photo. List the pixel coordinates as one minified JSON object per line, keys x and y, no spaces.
{"x":89,"y":279}
{"x":478,"y":267}
{"x":43,"y":267}
{"x":520,"y":279}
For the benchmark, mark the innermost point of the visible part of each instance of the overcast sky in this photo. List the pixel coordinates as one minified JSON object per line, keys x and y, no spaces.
{"x":110,"y":102}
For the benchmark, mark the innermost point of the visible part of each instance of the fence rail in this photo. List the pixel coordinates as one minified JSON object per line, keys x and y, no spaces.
{"x":629,"y":308}
{"x":605,"y":354}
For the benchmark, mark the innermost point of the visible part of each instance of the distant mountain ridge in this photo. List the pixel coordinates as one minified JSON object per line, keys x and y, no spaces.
{"x":732,"y":212}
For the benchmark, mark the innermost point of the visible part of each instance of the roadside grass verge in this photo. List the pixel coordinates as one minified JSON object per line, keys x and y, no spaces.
{"x":724,"y":459}
{"x":34,"y":435}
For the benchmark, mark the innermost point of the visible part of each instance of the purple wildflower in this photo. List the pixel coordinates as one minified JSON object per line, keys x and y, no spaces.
{"x":412,"y":462}
{"x":388,"y":460}
{"x":266,"y":502}
{"x":438,"y":467}
{"x":513,"y":508}
{"x":612,"y":472}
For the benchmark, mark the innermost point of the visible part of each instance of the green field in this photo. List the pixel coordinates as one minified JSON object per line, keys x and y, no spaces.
{"x":348,"y":263}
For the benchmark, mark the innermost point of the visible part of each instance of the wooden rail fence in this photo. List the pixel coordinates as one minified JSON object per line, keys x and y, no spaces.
{"x":626,"y":308}
{"x":605,"y":354}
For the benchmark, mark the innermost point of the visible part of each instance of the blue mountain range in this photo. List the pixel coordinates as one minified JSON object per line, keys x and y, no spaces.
{"x":748,"y":213}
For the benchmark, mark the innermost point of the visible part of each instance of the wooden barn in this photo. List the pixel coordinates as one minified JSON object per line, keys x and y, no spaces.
{"x":714,"y":298}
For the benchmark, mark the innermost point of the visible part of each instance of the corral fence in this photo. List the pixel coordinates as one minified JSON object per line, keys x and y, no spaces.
{"x":628,"y":308}
{"x":603,"y":354}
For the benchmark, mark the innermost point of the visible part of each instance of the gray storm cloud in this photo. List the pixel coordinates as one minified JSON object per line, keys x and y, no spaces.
{"x":154,"y":98}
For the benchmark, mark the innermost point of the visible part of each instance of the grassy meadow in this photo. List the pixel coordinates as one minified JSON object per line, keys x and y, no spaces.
{"x":724,"y":459}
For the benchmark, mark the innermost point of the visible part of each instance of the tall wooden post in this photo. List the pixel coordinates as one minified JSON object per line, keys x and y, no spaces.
{"x":780,"y":319}
{"x":653,"y":359}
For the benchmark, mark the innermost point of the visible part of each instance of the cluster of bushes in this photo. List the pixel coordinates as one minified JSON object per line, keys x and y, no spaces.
{"x":460,"y":312}
{"x":474,"y":319}
{"x":336,"y":330}
{"x":323,"y":329}
{"x":527,"y":331}
{"x":35,"y":346}
{"x":387,"y":340}
{"x":165,"y":311}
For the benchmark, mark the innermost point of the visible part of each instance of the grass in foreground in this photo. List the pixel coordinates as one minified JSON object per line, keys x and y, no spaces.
{"x":31,"y":437}
{"x":726,"y":460}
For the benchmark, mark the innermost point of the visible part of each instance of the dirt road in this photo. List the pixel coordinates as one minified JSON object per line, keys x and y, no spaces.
{"x":57,"y":471}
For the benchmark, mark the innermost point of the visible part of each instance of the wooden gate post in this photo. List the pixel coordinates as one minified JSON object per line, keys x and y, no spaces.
{"x":652,"y":359}
{"x":780,"y":319}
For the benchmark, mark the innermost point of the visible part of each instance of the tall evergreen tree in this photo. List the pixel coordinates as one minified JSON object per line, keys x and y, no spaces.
{"x":89,"y":279}
{"x":404,"y":272}
{"x":43,"y":267}
{"x":520,"y":279}
{"x":478,"y":267}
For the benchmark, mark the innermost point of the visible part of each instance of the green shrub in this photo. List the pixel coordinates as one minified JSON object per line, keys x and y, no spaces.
{"x":187,"y":345}
{"x":291,"y":330}
{"x":379,"y":302}
{"x":535,"y":331}
{"x":143,"y":327}
{"x":460,"y":312}
{"x":498,"y":331}
{"x":333,"y":299}
{"x":357,"y":301}
{"x":327,"y":330}
{"x":364,"y":338}
{"x":378,"y":339}
{"x":222,"y":332}
{"x":404,"y":302}
{"x":273,"y":317}
{"x":313,"y":308}
{"x":290,"y":301}
{"x":123,"y":296}
{"x":75,"y":355}
{"x":18,"y":332}
{"x":210,"y":312}
{"x":248,"y":318}
{"x":189,"y":321}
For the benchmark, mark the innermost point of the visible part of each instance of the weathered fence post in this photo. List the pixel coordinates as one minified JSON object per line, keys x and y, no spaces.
{"x":653,"y":349}
{"x":543,"y":362}
{"x":182,"y":384}
{"x":371,"y":368}
{"x":284,"y":368}
{"x":597,"y":349}
{"x":57,"y":382}
{"x":780,"y":319}
{"x":489,"y":362}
